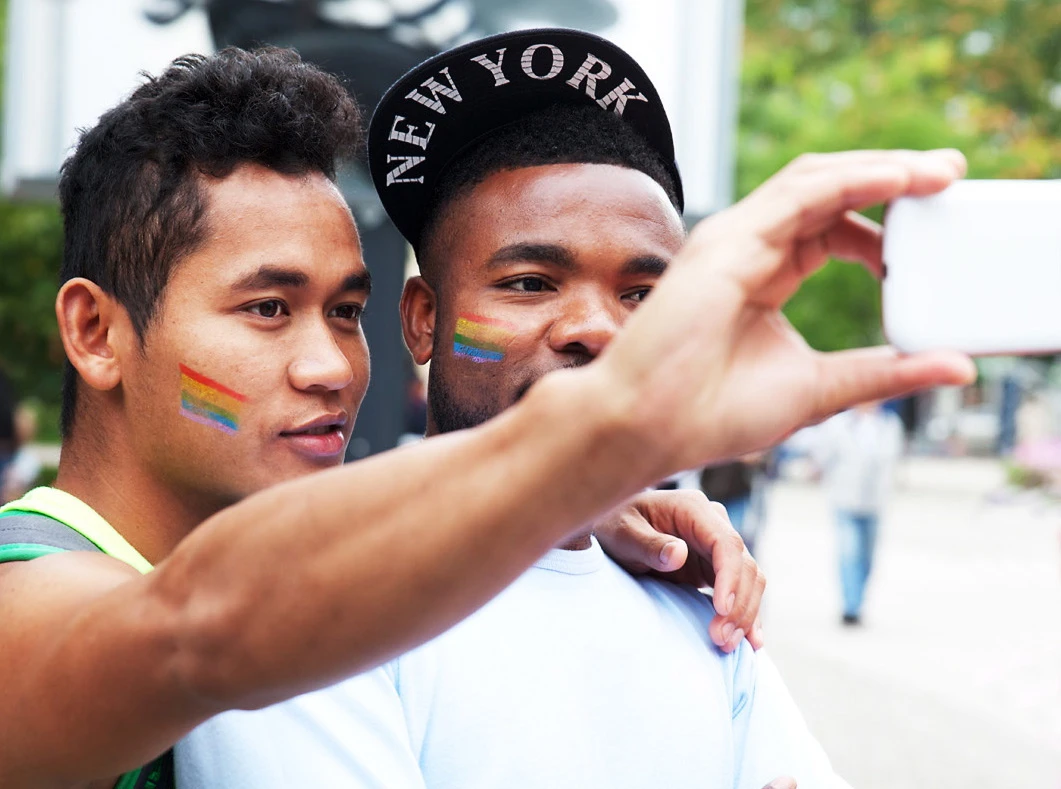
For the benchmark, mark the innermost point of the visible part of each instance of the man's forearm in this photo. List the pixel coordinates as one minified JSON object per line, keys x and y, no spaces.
{"x":335,"y":573}
{"x":322,"y":577}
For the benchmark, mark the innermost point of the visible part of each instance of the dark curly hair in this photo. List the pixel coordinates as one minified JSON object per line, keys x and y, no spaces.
{"x":560,"y":134}
{"x":131,"y":193}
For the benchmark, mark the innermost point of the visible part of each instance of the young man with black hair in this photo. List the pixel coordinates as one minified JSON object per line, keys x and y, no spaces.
{"x":544,"y":209}
{"x":212,"y":288}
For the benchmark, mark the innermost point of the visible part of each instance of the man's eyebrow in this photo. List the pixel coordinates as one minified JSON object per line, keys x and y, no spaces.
{"x":552,"y":254}
{"x":361,"y":281}
{"x":645,"y":264}
{"x":276,"y":277}
{"x":272,"y":277}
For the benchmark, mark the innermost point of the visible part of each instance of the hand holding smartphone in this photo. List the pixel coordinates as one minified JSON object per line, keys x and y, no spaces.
{"x":975,"y":268}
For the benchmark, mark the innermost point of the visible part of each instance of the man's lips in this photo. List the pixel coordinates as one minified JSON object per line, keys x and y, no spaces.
{"x":320,"y":437}
{"x":318,"y":425}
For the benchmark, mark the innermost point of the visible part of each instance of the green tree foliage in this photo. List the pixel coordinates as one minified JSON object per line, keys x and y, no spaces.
{"x":983,"y":76}
{"x":30,"y":248}
{"x":30,"y":253}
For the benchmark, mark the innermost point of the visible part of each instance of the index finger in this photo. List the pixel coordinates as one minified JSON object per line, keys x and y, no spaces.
{"x":803,"y":199}
{"x":864,"y":374}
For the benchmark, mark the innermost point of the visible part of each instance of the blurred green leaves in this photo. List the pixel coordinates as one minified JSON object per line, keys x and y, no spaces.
{"x":824,"y":75}
{"x":30,"y":253}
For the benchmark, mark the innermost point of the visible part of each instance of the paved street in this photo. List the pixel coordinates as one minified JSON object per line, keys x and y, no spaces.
{"x":955,"y":678}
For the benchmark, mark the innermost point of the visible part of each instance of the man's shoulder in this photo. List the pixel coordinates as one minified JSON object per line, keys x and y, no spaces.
{"x":38,"y":544}
{"x":28,"y":535}
{"x":682,"y":594}
{"x":673,"y":600}
{"x":688,"y":606}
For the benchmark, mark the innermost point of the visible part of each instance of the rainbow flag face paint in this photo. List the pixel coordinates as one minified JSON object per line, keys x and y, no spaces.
{"x":209,"y":403}
{"x":482,"y":339}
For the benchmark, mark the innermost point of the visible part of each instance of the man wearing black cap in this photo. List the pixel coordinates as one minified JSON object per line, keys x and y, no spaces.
{"x":213,"y":286}
{"x":533,"y":173}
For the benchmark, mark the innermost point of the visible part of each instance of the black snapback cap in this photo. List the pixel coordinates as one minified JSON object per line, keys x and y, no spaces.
{"x":447,"y":104}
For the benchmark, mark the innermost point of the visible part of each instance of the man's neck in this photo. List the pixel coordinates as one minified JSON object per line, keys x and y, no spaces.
{"x":578,"y":542}
{"x":152,"y":517}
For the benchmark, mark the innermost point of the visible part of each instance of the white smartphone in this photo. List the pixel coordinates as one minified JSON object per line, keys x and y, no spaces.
{"x":975,"y":268}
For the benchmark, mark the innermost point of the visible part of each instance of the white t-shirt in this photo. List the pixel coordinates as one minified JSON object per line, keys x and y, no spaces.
{"x":578,"y":675}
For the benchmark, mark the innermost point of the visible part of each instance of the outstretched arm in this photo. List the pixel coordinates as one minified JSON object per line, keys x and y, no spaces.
{"x":331,"y":574}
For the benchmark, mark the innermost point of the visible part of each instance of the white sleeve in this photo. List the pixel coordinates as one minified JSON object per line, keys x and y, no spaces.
{"x":769,"y":734}
{"x":352,"y":734}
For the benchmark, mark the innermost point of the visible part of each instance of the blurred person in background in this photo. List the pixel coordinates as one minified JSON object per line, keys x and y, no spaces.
{"x":25,"y":467}
{"x":856,"y":453}
{"x":740,"y":487}
{"x":8,"y":439}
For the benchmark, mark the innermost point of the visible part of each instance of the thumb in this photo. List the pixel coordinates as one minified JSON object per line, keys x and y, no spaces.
{"x":661,"y":552}
{"x":784,"y":782}
{"x":637,"y":546}
{"x":857,"y":376}
{"x":672,"y":555}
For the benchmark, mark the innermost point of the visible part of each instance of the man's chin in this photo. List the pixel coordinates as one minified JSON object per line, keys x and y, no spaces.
{"x":449,"y":412}
{"x":288,"y":468}
{"x":526,"y":386}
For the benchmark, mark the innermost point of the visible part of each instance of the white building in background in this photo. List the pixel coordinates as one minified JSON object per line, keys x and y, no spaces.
{"x":69,"y":60}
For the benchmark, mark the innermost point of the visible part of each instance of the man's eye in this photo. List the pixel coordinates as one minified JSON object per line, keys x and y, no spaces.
{"x":347,"y":312}
{"x":527,"y":284}
{"x":270,"y":308}
{"x":640,"y":294}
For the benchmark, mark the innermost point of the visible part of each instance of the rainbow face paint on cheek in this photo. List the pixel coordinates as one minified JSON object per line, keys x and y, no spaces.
{"x":209,"y":403}
{"x":482,"y":339}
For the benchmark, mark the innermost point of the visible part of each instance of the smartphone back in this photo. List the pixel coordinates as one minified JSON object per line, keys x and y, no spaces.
{"x":976,"y":268}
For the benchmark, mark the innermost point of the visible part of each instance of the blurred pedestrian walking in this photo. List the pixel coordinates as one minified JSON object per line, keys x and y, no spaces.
{"x":22,"y":472}
{"x":8,"y":444}
{"x":740,"y":486}
{"x":856,"y":452}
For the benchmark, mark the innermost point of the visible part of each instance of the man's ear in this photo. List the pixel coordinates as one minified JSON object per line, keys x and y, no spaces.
{"x":92,"y":325}
{"x":419,"y":309}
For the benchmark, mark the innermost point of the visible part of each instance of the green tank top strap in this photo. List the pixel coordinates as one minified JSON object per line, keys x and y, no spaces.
{"x":30,"y":535}
{"x":76,"y":514}
{"x":159,"y":774}
{"x":39,"y":529}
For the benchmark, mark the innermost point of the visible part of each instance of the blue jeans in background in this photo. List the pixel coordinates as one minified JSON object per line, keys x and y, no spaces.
{"x":857,"y":536}
{"x":743,"y":520}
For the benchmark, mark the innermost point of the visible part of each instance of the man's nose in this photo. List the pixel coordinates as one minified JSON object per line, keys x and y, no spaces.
{"x":586,"y":324}
{"x":320,"y":363}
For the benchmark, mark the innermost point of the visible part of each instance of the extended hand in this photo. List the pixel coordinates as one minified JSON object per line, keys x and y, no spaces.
{"x":690,"y":540}
{"x":709,"y":366}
